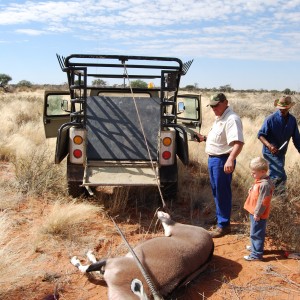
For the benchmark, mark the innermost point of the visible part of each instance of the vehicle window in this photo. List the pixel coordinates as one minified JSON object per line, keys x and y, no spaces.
{"x":58,"y":105}
{"x":188,"y":108}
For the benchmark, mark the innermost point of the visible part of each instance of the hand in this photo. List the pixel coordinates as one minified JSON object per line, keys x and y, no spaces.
{"x":272,"y":149}
{"x":199,"y":137}
{"x":256,"y":218}
{"x":229,"y":166}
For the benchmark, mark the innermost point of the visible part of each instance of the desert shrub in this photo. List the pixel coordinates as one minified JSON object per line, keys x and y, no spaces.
{"x":139,"y":84}
{"x":37,"y":174}
{"x":65,"y":219}
{"x":6,"y":153}
{"x":283,"y":225}
{"x":24,"y":83}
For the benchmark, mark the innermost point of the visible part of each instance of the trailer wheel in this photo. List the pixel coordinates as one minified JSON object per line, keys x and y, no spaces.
{"x":75,"y":190}
{"x":169,"y":190}
{"x":74,"y":179}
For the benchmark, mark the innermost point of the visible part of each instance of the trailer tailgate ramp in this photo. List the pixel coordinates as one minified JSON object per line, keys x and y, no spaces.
{"x":115,"y":139}
{"x":120,"y":174}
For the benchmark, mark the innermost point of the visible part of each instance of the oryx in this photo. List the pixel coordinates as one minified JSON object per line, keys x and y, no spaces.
{"x":170,"y":261}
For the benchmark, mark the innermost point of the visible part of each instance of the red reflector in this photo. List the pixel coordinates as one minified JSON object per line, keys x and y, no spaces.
{"x":77,"y":153}
{"x":166,"y":154}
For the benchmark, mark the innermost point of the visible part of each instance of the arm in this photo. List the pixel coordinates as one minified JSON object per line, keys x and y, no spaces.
{"x":262,"y":201}
{"x":296,"y":138}
{"x":236,"y":150}
{"x":271,"y":148}
{"x":199,"y":137}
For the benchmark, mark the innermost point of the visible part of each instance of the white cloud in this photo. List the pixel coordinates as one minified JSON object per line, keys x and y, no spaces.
{"x":152,"y":13}
{"x":30,"y":31}
{"x":213,"y":28}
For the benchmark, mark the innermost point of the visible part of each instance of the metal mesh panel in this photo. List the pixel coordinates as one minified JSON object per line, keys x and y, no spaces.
{"x":113,"y":129}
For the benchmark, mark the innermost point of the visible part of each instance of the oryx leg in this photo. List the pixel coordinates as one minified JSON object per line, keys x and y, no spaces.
{"x":166,"y":222}
{"x":76,"y":262}
{"x":91,"y":257}
{"x":94,"y":266}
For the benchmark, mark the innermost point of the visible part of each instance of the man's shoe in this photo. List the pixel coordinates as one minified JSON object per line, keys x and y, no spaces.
{"x":250,"y":258}
{"x":218,"y":232}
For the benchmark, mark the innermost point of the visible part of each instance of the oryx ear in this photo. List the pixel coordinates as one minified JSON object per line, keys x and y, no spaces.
{"x":138,"y":289}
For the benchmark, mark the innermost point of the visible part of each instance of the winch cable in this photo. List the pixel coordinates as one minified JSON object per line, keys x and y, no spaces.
{"x":145,"y":139}
{"x":154,"y":291}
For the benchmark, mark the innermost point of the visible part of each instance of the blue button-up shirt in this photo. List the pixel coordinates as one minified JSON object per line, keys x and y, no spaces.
{"x":277,"y":131}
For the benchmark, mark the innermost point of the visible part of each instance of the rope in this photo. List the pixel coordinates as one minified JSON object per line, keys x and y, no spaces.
{"x":150,"y":283}
{"x":145,"y":139}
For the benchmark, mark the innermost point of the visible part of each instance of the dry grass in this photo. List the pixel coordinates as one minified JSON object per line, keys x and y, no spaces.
{"x":36,"y":174}
{"x":14,"y":254}
{"x":65,"y":219}
{"x":21,"y":122}
{"x":117,"y":201}
{"x":24,"y":145}
{"x":9,"y":198}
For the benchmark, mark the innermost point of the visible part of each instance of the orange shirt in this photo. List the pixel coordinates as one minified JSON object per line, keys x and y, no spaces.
{"x":258,"y":201}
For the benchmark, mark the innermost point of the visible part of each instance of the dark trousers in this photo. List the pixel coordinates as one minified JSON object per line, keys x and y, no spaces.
{"x":221,"y":188}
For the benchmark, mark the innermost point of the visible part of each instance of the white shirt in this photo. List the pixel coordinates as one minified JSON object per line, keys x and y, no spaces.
{"x":225,"y":130}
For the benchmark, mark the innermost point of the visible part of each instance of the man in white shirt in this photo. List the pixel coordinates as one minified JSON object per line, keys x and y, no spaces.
{"x":224,"y":143}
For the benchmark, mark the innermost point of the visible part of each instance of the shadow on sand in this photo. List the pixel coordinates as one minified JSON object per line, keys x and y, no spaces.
{"x":219,"y":270}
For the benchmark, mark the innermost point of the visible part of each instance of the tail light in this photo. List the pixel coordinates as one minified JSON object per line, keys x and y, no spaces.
{"x":167,"y":147}
{"x":77,"y":145}
{"x":77,"y":153}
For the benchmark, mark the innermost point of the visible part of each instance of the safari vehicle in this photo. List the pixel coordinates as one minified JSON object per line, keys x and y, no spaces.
{"x":121,"y":135}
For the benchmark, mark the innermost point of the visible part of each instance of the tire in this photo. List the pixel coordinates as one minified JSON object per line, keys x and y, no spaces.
{"x":169,"y":181}
{"x":169,"y":191}
{"x":75,"y":190}
{"x":74,"y":178}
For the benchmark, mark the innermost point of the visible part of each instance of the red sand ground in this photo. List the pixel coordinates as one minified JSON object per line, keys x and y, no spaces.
{"x":228,"y":277}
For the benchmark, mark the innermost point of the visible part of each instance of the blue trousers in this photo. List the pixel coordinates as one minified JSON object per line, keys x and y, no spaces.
{"x":257,"y":236}
{"x":221,"y":188}
{"x":276,"y":166}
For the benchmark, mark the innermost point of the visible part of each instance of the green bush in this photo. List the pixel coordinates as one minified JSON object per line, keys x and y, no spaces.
{"x":24,"y":83}
{"x":4,"y":79}
{"x":139,"y":84}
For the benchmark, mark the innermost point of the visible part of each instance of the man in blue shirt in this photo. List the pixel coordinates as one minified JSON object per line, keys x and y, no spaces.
{"x":275,"y":134}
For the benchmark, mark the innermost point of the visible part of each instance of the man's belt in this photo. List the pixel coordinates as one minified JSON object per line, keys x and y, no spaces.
{"x":220,"y":156}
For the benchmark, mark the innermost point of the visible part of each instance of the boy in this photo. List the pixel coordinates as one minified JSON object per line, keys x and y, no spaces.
{"x":258,"y":205}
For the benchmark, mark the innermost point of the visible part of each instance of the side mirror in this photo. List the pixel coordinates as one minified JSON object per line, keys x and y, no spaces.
{"x":180,"y":107}
{"x":65,"y":105}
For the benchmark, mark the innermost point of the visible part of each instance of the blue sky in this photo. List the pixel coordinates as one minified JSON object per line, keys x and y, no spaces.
{"x":245,"y":43}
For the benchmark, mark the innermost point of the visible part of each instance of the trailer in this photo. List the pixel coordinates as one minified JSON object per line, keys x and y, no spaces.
{"x":123,"y":134}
